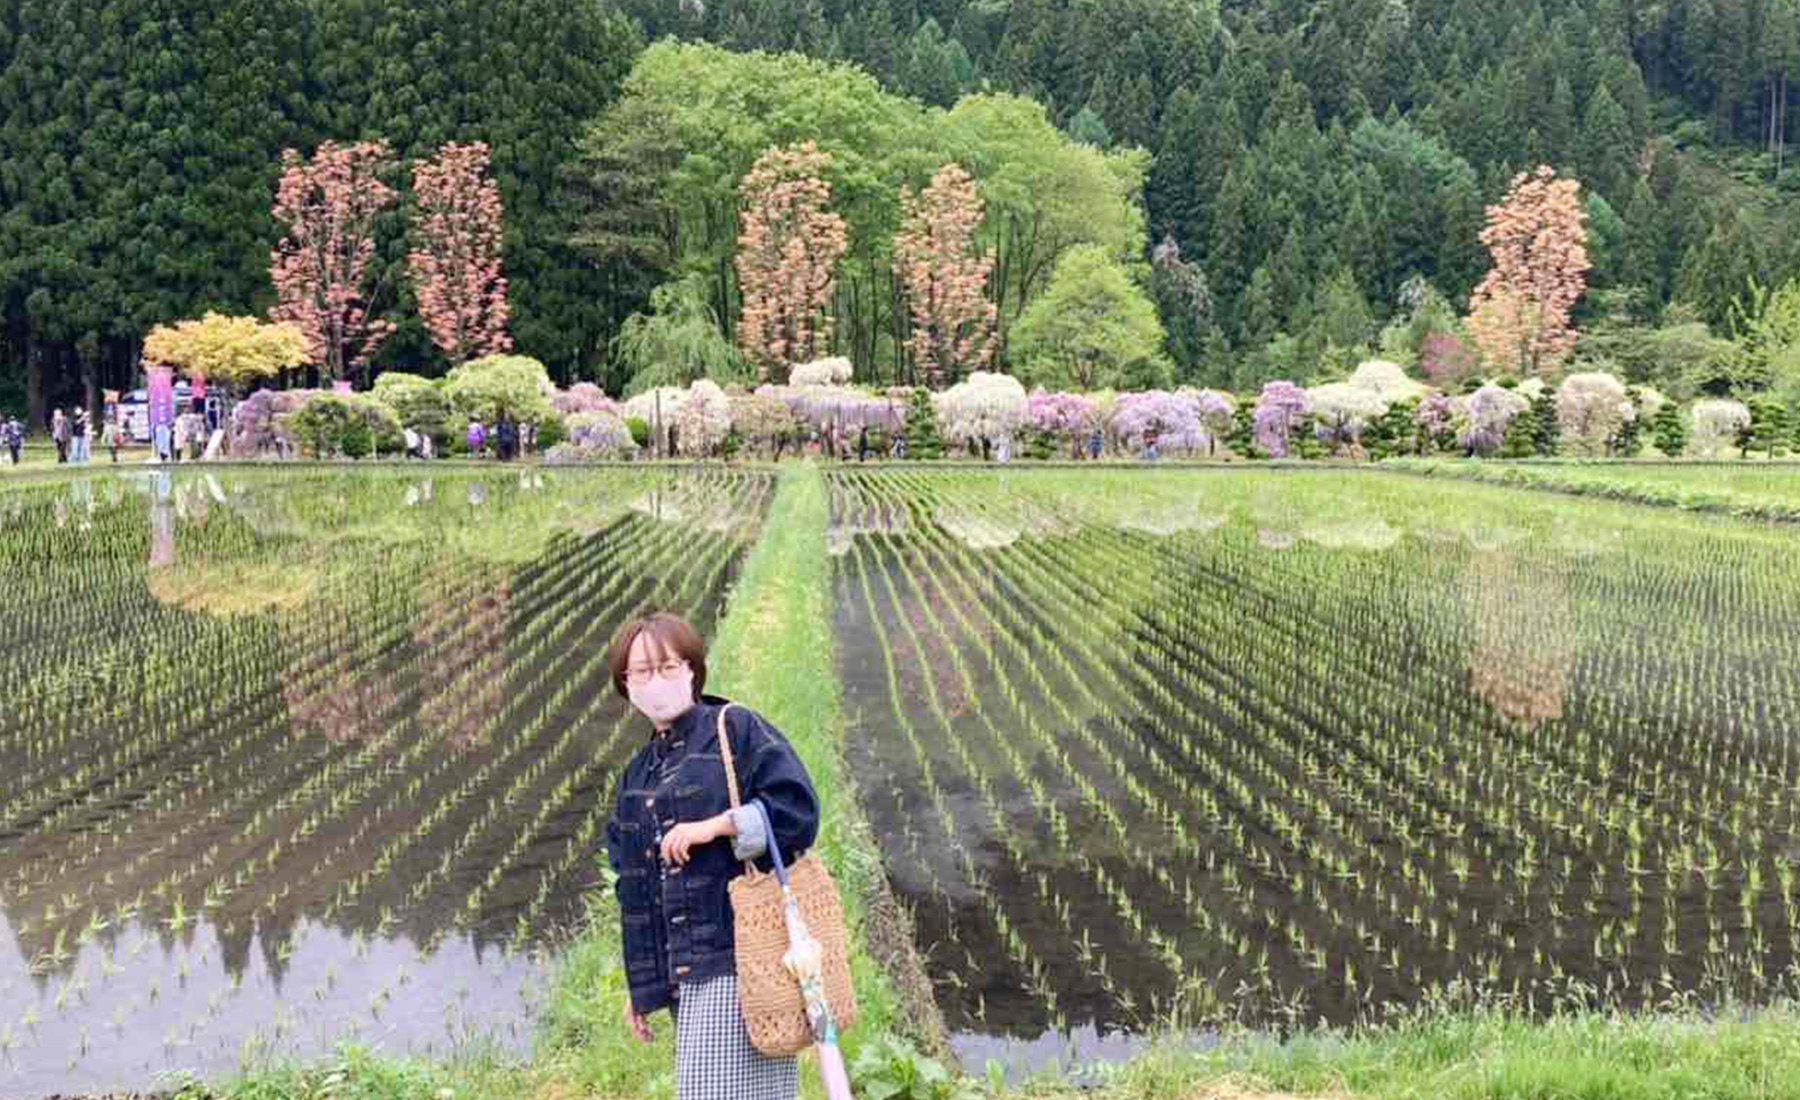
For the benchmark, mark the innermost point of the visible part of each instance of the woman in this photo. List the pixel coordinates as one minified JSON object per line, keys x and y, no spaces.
{"x":675,"y":844}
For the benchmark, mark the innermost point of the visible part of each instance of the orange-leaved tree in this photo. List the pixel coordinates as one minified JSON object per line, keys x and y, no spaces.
{"x":327,"y":208}
{"x":1537,"y":235}
{"x":788,"y":248}
{"x":456,"y":255}
{"x":946,"y":283}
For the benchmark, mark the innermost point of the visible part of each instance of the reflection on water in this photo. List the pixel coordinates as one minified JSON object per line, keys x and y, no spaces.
{"x":160,"y":1004}
{"x":304,"y":756}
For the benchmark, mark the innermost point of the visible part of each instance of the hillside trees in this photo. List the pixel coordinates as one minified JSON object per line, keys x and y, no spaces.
{"x":720,"y":111}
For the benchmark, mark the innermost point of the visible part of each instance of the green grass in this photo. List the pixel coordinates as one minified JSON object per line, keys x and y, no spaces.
{"x":1756,"y":490}
{"x":774,"y":653}
{"x":1493,"y":1054}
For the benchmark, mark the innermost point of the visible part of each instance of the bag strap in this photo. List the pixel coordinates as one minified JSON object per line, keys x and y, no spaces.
{"x":731,"y":787}
{"x":725,"y":751}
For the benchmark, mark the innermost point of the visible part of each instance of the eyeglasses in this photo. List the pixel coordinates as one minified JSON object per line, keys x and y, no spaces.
{"x":668,"y":670}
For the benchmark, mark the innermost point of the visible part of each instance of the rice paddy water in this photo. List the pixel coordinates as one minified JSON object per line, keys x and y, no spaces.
{"x":297,"y":756}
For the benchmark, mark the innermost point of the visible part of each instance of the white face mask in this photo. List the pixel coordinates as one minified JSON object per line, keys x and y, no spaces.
{"x":664,"y":700}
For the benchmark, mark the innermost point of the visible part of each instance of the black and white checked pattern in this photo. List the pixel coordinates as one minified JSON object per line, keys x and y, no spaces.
{"x":714,"y":1059}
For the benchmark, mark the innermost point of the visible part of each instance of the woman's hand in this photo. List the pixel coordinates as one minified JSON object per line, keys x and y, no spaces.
{"x":639,"y":1026}
{"x":678,"y":842}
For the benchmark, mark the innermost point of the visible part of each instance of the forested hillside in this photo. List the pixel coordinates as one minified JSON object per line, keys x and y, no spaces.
{"x":1305,"y":166}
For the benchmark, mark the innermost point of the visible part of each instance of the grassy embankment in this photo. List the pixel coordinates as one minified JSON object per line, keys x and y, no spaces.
{"x":1753,"y":490}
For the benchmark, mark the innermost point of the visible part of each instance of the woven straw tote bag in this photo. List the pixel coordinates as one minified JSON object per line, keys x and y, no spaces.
{"x":774,"y":1011}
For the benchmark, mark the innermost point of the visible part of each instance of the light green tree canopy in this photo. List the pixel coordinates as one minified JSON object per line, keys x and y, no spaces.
{"x":1088,"y":326}
{"x":515,"y":385}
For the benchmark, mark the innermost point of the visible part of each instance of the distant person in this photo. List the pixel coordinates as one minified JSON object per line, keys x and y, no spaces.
{"x":506,"y":438}
{"x":528,"y":437}
{"x":476,"y":439}
{"x":412,"y":442}
{"x":115,"y":438}
{"x":1096,"y":442}
{"x":79,"y":433}
{"x":59,"y":433}
{"x":14,"y":432}
{"x":1003,"y":449}
{"x":427,"y":450}
{"x":181,"y":435}
{"x":862,"y":444}
{"x":162,"y":441}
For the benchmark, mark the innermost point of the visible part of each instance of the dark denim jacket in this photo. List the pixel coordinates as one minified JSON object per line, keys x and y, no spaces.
{"x":678,"y":920}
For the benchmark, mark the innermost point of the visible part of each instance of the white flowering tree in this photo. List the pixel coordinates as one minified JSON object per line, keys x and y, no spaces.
{"x":1342,"y":411}
{"x":821,"y":372}
{"x":1387,"y":381}
{"x":1717,"y":422}
{"x":657,"y":407}
{"x":1591,"y":408}
{"x":704,"y":419}
{"x":984,"y":405}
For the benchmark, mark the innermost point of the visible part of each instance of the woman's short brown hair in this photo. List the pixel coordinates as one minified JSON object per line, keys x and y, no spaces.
{"x":669,"y":634}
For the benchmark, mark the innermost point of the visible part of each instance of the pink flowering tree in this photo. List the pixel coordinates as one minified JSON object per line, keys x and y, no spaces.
{"x":582,"y":397}
{"x":455,"y":259}
{"x":1280,"y":409}
{"x":1519,"y":314}
{"x":327,"y":207}
{"x":1172,"y":419}
{"x":1068,"y":416}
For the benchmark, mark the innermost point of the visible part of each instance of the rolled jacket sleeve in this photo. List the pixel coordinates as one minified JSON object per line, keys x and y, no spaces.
{"x":772,"y":773}
{"x":752,"y":838}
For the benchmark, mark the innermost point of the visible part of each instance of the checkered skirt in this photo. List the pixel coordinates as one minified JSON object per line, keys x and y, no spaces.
{"x":714,"y":1059}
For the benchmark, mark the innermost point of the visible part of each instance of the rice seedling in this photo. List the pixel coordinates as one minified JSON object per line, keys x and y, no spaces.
{"x":270,"y":721}
{"x":1305,"y":745}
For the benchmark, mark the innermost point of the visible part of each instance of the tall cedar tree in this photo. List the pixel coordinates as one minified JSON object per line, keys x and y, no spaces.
{"x":946,"y":282}
{"x":456,"y":258}
{"x":1519,"y":314}
{"x":788,"y":248}
{"x":322,"y":267}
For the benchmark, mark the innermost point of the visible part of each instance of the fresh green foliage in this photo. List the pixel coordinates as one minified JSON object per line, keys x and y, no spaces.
{"x":1091,"y":323}
{"x":353,"y":425}
{"x":677,"y":342}
{"x":511,"y":385}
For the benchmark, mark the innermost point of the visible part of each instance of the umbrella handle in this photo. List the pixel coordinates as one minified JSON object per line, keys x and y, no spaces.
{"x":769,"y":832}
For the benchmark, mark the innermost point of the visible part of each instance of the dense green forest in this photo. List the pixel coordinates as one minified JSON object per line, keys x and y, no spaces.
{"x":1311,"y":161}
